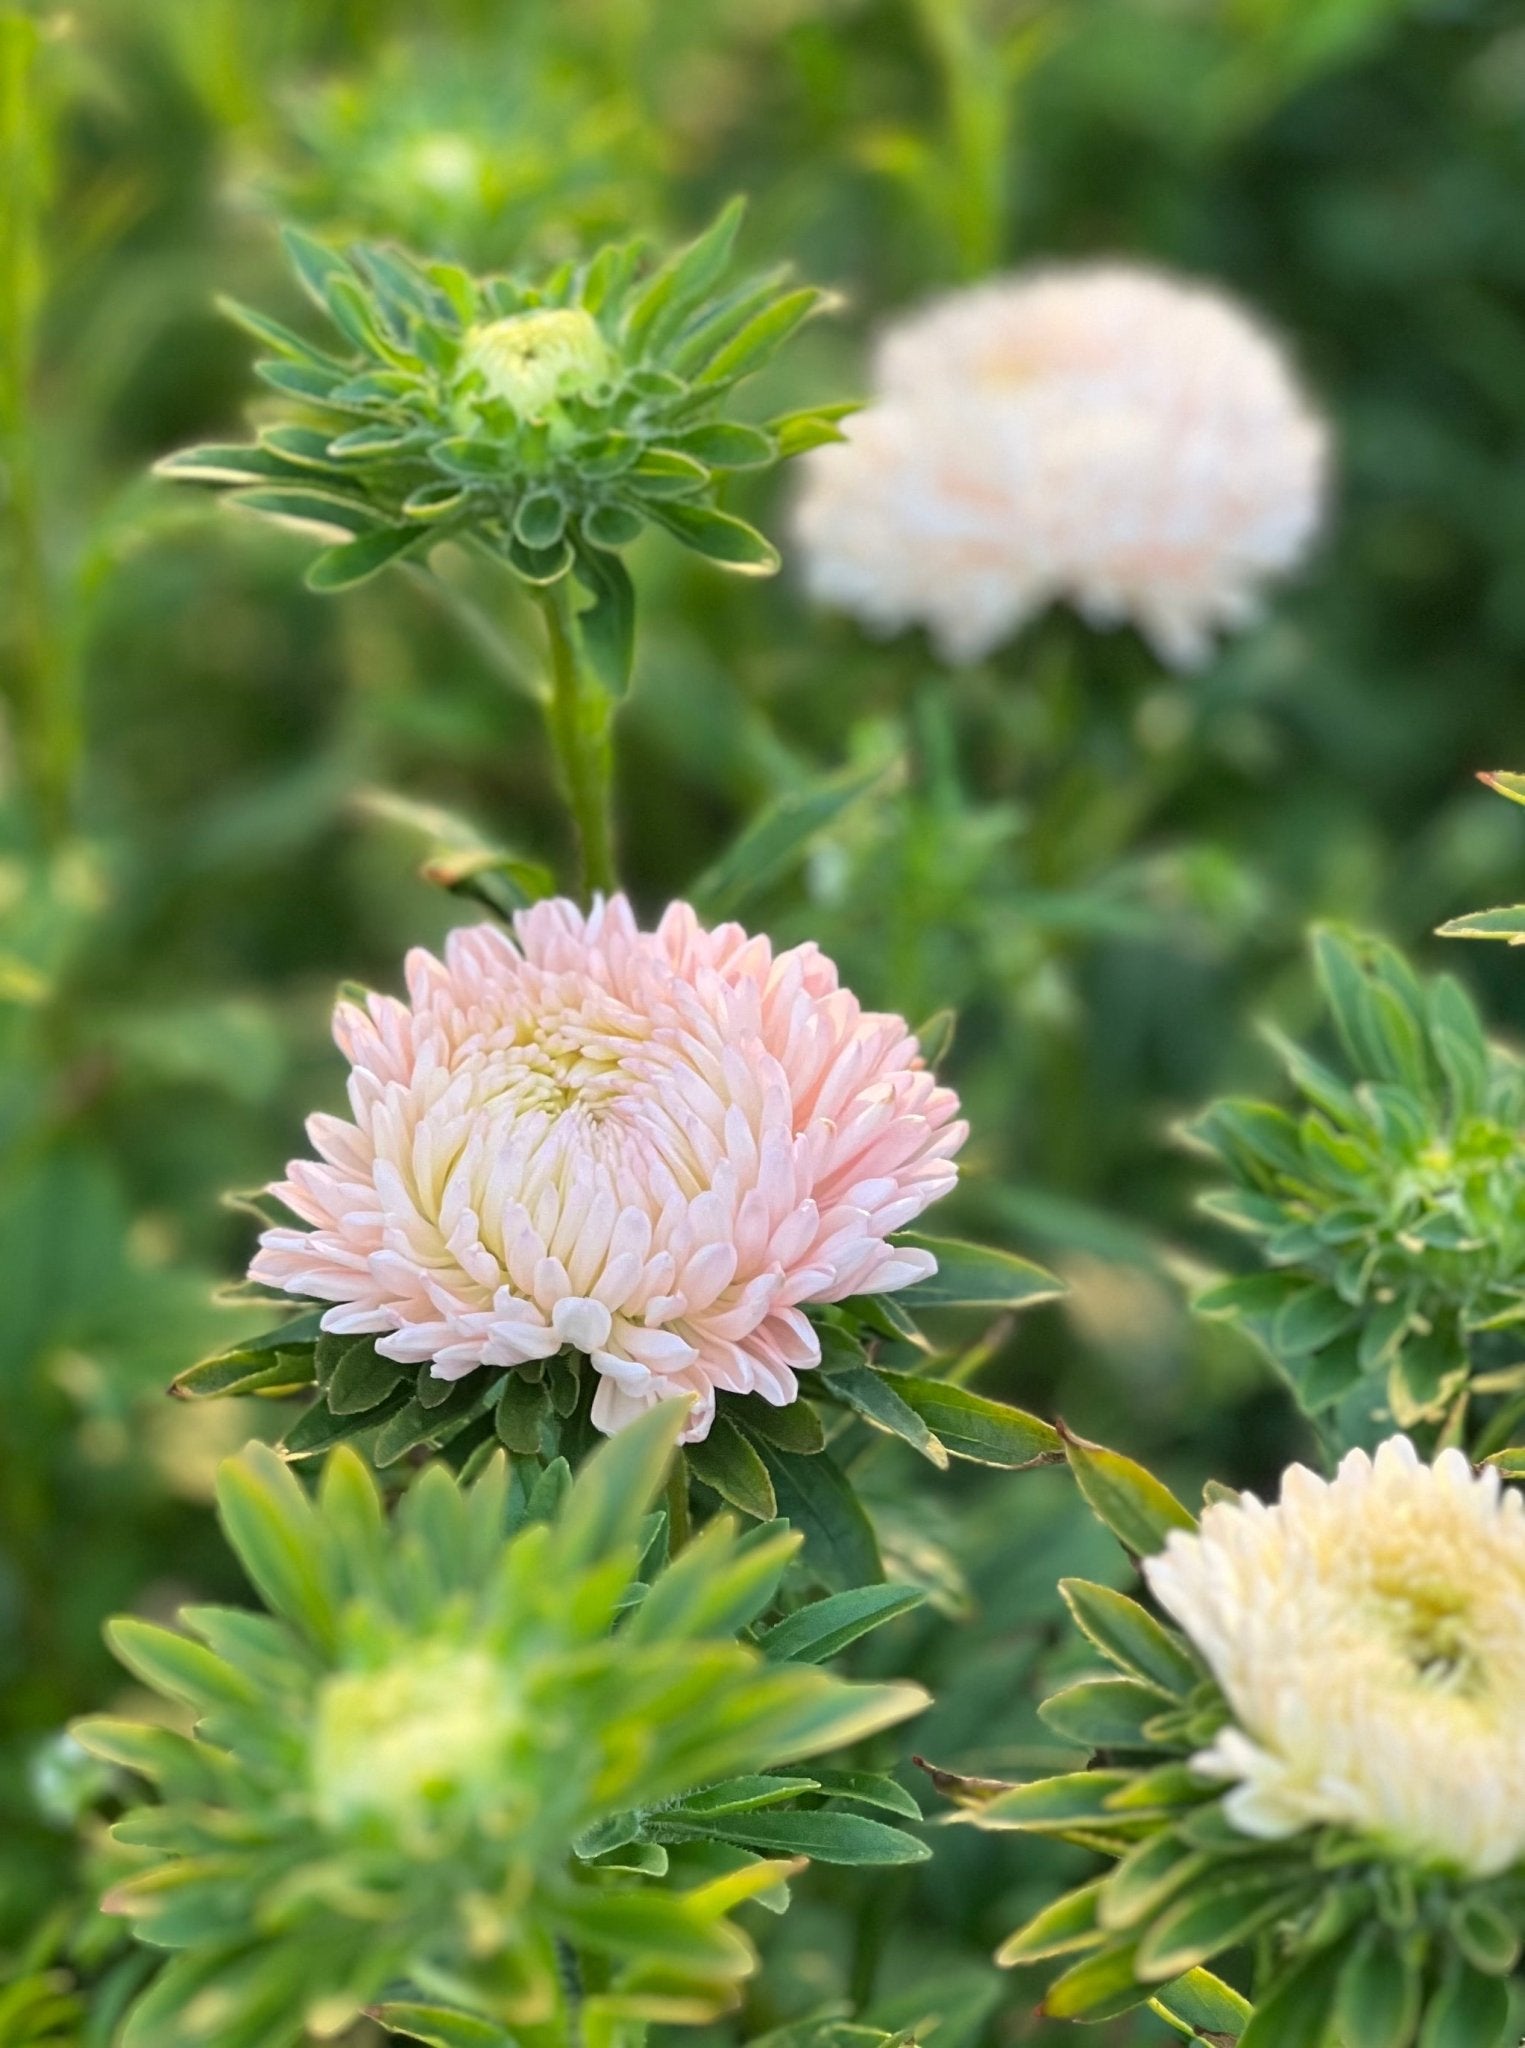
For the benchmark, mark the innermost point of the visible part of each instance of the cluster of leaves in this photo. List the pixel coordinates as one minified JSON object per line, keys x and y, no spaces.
{"x":1349,"y":1946}
{"x":501,"y":1731}
{"x":548,"y":422}
{"x":876,"y":1368}
{"x":1391,"y":1211}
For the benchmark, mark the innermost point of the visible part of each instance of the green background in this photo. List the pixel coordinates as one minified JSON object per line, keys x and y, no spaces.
{"x":1105,"y":869}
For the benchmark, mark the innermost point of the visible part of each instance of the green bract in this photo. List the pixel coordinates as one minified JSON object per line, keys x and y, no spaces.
{"x":876,"y":1369}
{"x":1391,"y":1209}
{"x":1350,"y":1946}
{"x":548,"y":422}
{"x":478,"y":1761}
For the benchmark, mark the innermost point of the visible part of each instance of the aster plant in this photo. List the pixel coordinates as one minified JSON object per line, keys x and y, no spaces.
{"x":1389,"y":1208}
{"x":592,"y":1169}
{"x":1311,"y":1763}
{"x":544,"y":422}
{"x":497,"y":1770}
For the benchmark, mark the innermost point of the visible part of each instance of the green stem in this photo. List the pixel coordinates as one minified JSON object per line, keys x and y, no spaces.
{"x":977,"y":107}
{"x":679,"y":1523}
{"x":580,"y":711}
{"x":40,"y":677}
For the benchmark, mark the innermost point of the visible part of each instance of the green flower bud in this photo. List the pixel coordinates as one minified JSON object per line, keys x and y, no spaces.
{"x":420,"y":1744}
{"x":531,"y":360}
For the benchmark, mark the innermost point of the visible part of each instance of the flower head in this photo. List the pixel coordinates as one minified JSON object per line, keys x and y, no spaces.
{"x":1368,"y":1634}
{"x":531,"y":359}
{"x":457,"y":1736}
{"x":429,"y":422}
{"x":1103,"y":435}
{"x":1388,"y":1204}
{"x":652,"y":1148}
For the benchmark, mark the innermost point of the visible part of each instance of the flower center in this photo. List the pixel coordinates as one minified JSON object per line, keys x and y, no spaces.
{"x":1432,"y":1627}
{"x":412,"y":1744}
{"x":530,"y":360}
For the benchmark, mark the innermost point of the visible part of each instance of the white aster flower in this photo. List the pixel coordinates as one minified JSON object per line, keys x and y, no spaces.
{"x":652,"y":1147}
{"x":1104,"y":435}
{"x":1368,"y":1634}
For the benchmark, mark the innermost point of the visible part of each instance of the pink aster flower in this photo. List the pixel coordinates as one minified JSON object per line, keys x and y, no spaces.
{"x":654,"y":1147}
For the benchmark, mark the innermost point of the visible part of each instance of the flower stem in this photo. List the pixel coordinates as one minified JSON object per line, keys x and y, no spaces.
{"x":679,"y":1525}
{"x":40,"y":677}
{"x":579,"y":711}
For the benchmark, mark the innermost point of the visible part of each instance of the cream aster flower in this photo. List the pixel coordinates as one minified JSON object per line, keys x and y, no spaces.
{"x":1105,"y":435}
{"x":652,"y":1147}
{"x":1369,"y":1636}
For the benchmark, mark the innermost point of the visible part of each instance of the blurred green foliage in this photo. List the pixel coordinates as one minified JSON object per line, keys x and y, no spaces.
{"x":1105,"y":871}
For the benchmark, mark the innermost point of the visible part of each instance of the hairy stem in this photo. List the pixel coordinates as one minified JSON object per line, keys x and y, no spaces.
{"x":580,"y":711}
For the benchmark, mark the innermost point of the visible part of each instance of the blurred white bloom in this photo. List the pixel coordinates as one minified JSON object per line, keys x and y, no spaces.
{"x":1104,"y":435}
{"x":1369,"y":1635}
{"x":652,"y":1147}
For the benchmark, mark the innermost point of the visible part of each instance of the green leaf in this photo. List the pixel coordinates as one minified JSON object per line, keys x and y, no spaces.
{"x":874,"y":1397}
{"x":521,"y":1412}
{"x":819,"y":1631}
{"x":719,"y":536}
{"x":814,"y":1496}
{"x":1470,"y":2010}
{"x":1505,"y":923}
{"x":1102,"y":1713}
{"x":665,"y":473}
{"x":1299,"y":2009}
{"x":224,"y":463}
{"x":177,"y":1667}
{"x":1378,"y":1999}
{"x":975,"y":1276}
{"x":793,"y":1427}
{"x":869,"y":1788}
{"x":1130,"y":1636}
{"x":977,"y":1429}
{"x":778,"y":839}
{"x":610,"y":1495}
{"x":796,"y":433}
{"x":1201,"y":2000}
{"x":685,"y":279}
{"x":284,"y":340}
{"x":762,"y":336}
{"x":1223,"y":1909}
{"x":726,"y":444}
{"x":659,"y":1928}
{"x":1146,"y":1877}
{"x":743,"y":1795}
{"x":1503,"y":783}
{"x":270,"y":1523}
{"x":248,"y":1371}
{"x":1059,"y":1805}
{"x":727,"y":1461}
{"x":309,"y":509}
{"x":437,"y":2026}
{"x":1486,"y":1935}
{"x":607,"y":626}
{"x":824,"y":1837}
{"x":1069,"y":1924}
{"x":362,"y":1379}
{"x":1138,"y":1509}
{"x":315,"y":264}
{"x":541,"y":519}
{"x":1098,"y":1988}
{"x":338,"y":568}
